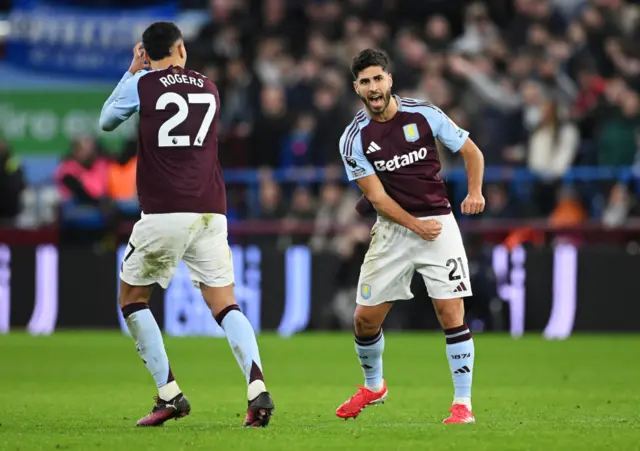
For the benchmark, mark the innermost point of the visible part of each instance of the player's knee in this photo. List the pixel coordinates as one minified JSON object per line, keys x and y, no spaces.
{"x":450,"y":312}
{"x":133,"y":295}
{"x":365,"y":325}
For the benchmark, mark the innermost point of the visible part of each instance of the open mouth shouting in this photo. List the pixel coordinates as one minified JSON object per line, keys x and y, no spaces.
{"x":376,"y":101}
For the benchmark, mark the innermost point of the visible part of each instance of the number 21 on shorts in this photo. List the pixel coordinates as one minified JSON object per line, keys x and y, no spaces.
{"x":455,"y":265}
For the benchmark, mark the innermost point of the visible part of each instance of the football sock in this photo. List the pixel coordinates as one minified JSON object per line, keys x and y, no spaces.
{"x":461,"y":353}
{"x":242,"y":340}
{"x":369,"y":350}
{"x":150,"y":347}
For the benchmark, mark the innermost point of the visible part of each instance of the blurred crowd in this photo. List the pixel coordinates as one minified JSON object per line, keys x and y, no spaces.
{"x":546,"y":85}
{"x":542,"y":84}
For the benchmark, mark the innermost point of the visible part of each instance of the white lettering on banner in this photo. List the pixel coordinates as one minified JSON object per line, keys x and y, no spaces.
{"x":297,"y":306}
{"x":83,"y":30}
{"x":45,"y":311}
{"x":5,"y":288}
{"x":511,"y":288}
{"x":565,"y":287}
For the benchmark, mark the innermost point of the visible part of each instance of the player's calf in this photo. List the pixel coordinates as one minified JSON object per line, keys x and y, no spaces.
{"x":369,"y":344}
{"x":170,"y":403}
{"x":243,"y":343}
{"x":461,"y":355}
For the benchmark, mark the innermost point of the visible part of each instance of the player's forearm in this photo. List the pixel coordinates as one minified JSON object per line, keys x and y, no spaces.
{"x":474,"y":164}
{"x":390,"y":209}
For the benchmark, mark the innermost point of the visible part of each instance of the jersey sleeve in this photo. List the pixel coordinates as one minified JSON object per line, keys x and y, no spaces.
{"x":122,"y":102}
{"x":444,"y":128}
{"x":355,"y":162}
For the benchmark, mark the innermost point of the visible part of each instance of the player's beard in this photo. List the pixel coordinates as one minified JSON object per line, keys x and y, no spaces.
{"x":378,"y":106}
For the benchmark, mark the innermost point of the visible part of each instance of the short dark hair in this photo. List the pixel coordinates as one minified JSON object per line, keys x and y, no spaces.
{"x":158,"y":39}
{"x":368,"y":58}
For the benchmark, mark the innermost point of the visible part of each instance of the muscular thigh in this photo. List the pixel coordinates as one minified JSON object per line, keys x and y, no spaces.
{"x":156,"y":245}
{"x":208,"y":256}
{"x":443,"y":264}
{"x":387,"y":270}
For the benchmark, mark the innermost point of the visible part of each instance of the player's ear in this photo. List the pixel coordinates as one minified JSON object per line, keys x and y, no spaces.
{"x":390,"y":80}
{"x":355,"y":86}
{"x":182,"y":52}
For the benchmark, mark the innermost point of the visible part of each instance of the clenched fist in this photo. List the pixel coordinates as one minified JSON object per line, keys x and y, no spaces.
{"x":473,"y":204}
{"x":428,"y":229}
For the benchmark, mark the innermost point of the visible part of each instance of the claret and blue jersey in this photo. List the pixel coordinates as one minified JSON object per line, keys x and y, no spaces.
{"x":178,"y":168}
{"x":402,"y":153}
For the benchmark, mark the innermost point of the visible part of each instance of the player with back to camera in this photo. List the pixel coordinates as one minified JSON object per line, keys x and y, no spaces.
{"x":390,"y":151}
{"x":182,"y":196}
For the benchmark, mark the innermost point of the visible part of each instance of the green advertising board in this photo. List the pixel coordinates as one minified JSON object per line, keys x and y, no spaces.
{"x":44,"y":122}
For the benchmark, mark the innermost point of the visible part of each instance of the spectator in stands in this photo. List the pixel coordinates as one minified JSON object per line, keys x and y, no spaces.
{"x":437,"y":33}
{"x":336,"y":209}
{"x":121,"y":177}
{"x":295,"y":151}
{"x":300,"y":216}
{"x":569,"y":211}
{"x":239,"y":94}
{"x":592,"y":87}
{"x":619,"y":137}
{"x":552,"y":149}
{"x":331,"y":122}
{"x":83,"y":175}
{"x":499,"y":204}
{"x":479,"y":30}
{"x":271,"y":204}
{"x":121,"y":182}
{"x":83,"y":181}
{"x":621,"y":205}
{"x":270,"y":128}
{"x":12,"y":184}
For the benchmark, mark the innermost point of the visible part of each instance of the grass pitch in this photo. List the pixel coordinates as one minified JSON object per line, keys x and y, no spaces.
{"x":85,"y":391}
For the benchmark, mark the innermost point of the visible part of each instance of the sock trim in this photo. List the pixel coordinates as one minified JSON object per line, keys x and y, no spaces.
{"x":456,"y":330}
{"x":457,"y":334}
{"x":368,"y":341}
{"x":229,"y":308}
{"x":130,"y":309}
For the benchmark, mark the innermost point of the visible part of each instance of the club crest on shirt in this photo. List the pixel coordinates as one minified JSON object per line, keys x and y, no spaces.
{"x":365,"y":291}
{"x":411,"y":132}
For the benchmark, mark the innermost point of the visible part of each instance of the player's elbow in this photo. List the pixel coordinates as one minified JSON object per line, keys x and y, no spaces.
{"x":106,"y":125}
{"x":376,"y":197}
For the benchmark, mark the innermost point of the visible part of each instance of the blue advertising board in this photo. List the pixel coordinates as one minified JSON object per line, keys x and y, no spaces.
{"x":55,"y":38}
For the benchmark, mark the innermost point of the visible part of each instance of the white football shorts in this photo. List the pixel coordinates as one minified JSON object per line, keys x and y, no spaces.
{"x":159,"y":241}
{"x":396,"y":252}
